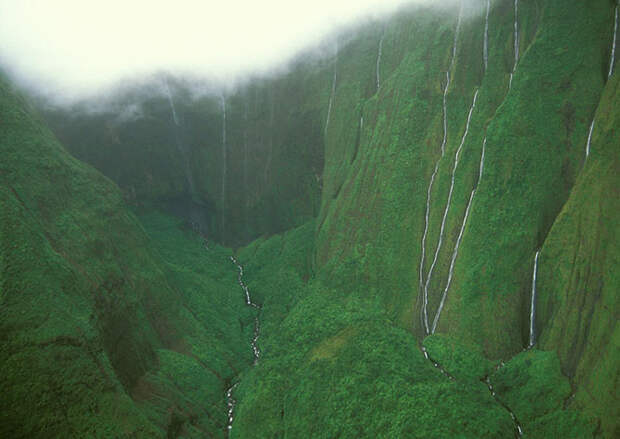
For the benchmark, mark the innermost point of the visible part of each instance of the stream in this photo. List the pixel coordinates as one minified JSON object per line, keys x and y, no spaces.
{"x":231,"y":402}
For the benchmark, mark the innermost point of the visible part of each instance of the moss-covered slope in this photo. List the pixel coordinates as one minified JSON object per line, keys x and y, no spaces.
{"x":99,"y":336}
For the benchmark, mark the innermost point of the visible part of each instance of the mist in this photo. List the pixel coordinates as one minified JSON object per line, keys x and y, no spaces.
{"x":73,"y":48}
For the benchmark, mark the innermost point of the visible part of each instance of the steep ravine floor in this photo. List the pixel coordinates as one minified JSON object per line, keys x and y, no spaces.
{"x":231,"y":402}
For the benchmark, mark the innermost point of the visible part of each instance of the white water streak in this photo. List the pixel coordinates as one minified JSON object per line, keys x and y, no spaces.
{"x":516,"y":43}
{"x":245,"y":169}
{"x":248,"y":302}
{"x":426,"y":221}
{"x":231,"y":403}
{"x":182,"y":152}
{"x":430,"y":185}
{"x":613,"y":46}
{"x":333,"y":94}
{"x":379,"y":60}
{"x":485,"y":49}
{"x":455,"y":252}
{"x":448,"y":203}
{"x":171,"y":102}
{"x":224,"y":159}
{"x":484,"y":147}
{"x":533,"y":303}
{"x":589,"y":138}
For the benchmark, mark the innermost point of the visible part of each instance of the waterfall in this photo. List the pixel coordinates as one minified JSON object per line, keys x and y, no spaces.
{"x":224,"y":165}
{"x":516,"y":42}
{"x":613,"y":45}
{"x":445,"y":213}
{"x":188,"y":170}
{"x":533,"y":303}
{"x":171,"y":102}
{"x":424,"y":315}
{"x":333,"y":93}
{"x":455,"y":252}
{"x":485,"y":49}
{"x":589,"y":138}
{"x":270,"y":154}
{"x":379,"y":60}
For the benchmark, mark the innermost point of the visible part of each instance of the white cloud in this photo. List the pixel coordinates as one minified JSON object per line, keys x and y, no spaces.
{"x":80,"y":45}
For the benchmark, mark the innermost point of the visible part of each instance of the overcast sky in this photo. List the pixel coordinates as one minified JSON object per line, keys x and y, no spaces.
{"x":75,"y":46}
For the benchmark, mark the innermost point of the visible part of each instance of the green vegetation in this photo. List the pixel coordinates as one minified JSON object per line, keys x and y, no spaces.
{"x":122,"y":323}
{"x":103,"y":333}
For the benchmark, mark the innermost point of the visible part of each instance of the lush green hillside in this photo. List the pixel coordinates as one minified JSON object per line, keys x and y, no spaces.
{"x":390,"y":199}
{"x":104,"y":334}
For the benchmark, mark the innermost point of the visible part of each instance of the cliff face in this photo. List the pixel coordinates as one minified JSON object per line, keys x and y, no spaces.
{"x":419,"y":173}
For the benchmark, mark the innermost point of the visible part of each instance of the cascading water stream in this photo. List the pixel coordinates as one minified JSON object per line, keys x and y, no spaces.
{"x":333,"y":93}
{"x":485,"y":49}
{"x":612,"y":61}
{"x":613,"y":45}
{"x":231,"y":402}
{"x":379,"y":60}
{"x":448,"y":203}
{"x":424,"y":315}
{"x":224,"y":165}
{"x":589,"y":139}
{"x":436,"y":364}
{"x":518,"y":428}
{"x":455,"y":252}
{"x":532,"y":341}
{"x":246,"y":192}
{"x":516,"y":43}
{"x":171,"y":102}
{"x":188,"y":170}
{"x":271,"y":129}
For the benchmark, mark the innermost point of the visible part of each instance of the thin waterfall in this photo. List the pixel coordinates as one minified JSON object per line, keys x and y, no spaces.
{"x":533,"y":303}
{"x":230,"y":401}
{"x":485,"y":49}
{"x":245,"y":169}
{"x":332,"y":96}
{"x":188,"y":170}
{"x":424,"y":315}
{"x":589,"y":138}
{"x":455,"y":252}
{"x":171,"y":102}
{"x":224,"y":165}
{"x":516,"y":43}
{"x":448,"y":203}
{"x":379,"y":60}
{"x":271,"y":130}
{"x":613,"y":45}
